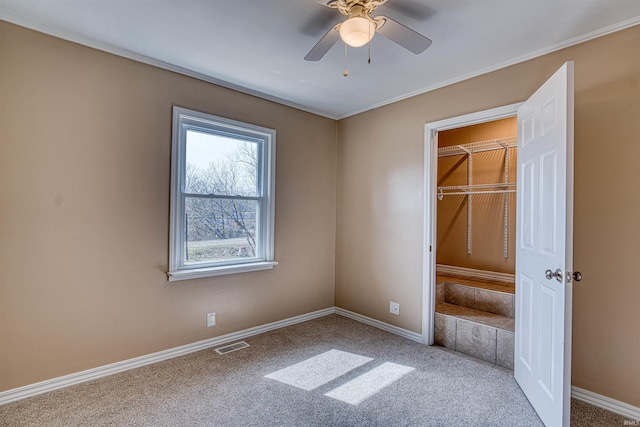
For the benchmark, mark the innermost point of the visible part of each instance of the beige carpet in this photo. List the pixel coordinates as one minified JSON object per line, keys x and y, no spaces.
{"x":331,"y":371}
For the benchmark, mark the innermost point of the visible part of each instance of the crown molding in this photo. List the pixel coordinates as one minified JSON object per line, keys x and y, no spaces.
{"x":124,"y":53}
{"x":56,"y":32}
{"x":513,"y":61}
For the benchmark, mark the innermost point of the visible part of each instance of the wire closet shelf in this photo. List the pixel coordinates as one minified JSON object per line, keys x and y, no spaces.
{"x":468,"y":150}
{"x":471,"y":189}
{"x":479,"y":146}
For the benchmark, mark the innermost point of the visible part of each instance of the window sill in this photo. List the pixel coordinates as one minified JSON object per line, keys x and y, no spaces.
{"x":199,"y":273}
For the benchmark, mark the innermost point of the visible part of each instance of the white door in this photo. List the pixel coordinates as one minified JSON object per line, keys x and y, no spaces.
{"x":544,"y":242}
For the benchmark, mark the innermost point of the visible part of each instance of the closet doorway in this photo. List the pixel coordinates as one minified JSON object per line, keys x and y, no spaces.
{"x":465,"y":230}
{"x":475,"y":240}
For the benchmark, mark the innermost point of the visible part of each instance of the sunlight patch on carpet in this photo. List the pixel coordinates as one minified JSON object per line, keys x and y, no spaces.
{"x":319,"y":370}
{"x":370,"y":383}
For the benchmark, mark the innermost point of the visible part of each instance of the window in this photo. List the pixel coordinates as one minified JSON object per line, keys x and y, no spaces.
{"x":222,"y":196}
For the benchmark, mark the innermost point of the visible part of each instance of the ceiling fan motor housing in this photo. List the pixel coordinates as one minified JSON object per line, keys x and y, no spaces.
{"x":356,"y":7}
{"x":360,"y":27}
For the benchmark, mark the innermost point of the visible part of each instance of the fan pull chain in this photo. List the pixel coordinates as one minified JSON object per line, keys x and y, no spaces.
{"x":369,"y":45}
{"x":345,"y":73}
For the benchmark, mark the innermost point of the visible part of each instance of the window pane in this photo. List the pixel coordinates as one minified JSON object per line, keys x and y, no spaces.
{"x":219,"y":229}
{"x":221,"y":165}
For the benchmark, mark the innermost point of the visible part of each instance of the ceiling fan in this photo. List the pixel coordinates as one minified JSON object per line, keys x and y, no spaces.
{"x":360,"y":27}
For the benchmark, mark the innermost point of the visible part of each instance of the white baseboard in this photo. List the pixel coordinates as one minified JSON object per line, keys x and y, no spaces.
{"x":472,"y":272}
{"x":414,"y":336}
{"x":125,"y":365}
{"x":30,"y":390}
{"x":604,"y":402}
{"x":114,"y":368}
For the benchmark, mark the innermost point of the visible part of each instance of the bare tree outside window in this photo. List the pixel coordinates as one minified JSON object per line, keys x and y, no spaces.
{"x":220,"y":223}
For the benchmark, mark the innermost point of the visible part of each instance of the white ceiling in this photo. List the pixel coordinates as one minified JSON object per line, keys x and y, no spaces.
{"x":258,"y":46}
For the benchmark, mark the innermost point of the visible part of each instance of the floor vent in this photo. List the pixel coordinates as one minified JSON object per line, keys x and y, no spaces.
{"x":232,"y":347}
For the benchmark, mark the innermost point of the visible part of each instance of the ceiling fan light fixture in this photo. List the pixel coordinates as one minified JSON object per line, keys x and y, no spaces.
{"x":357,"y":31}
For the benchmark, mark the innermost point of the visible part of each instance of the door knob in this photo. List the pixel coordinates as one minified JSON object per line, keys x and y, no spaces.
{"x":576,"y":276}
{"x":557,"y":274}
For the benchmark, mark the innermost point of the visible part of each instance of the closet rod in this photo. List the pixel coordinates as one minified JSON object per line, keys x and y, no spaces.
{"x":464,"y":193}
{"x":502,"y":185}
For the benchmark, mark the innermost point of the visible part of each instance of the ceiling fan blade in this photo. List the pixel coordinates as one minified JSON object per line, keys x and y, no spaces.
{"x":404,"y":36}
{"x":411,"y":9}
{"x":324,"y":2}
{"x":323,"y":46}
{"x":320,"y":20}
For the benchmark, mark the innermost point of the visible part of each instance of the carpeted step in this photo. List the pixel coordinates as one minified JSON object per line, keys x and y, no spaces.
{"x":484,"y":335}
{"x":492,"y":297}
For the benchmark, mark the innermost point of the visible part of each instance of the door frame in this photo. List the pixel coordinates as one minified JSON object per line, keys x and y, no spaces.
{"x":430,"y":191}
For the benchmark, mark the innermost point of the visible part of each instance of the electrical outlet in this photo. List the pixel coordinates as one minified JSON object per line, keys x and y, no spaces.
{"x":394,"y":308}
{"x":211,"y":320}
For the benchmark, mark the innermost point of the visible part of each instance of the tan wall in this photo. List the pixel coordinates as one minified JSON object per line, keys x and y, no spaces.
{"x":84,"y":212}
{"x":84,"y":188}
{"x":380,"y":202}
{"x":487,"y":219}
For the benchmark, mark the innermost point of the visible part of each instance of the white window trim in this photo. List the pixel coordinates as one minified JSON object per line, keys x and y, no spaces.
{"x":266,"y":171}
